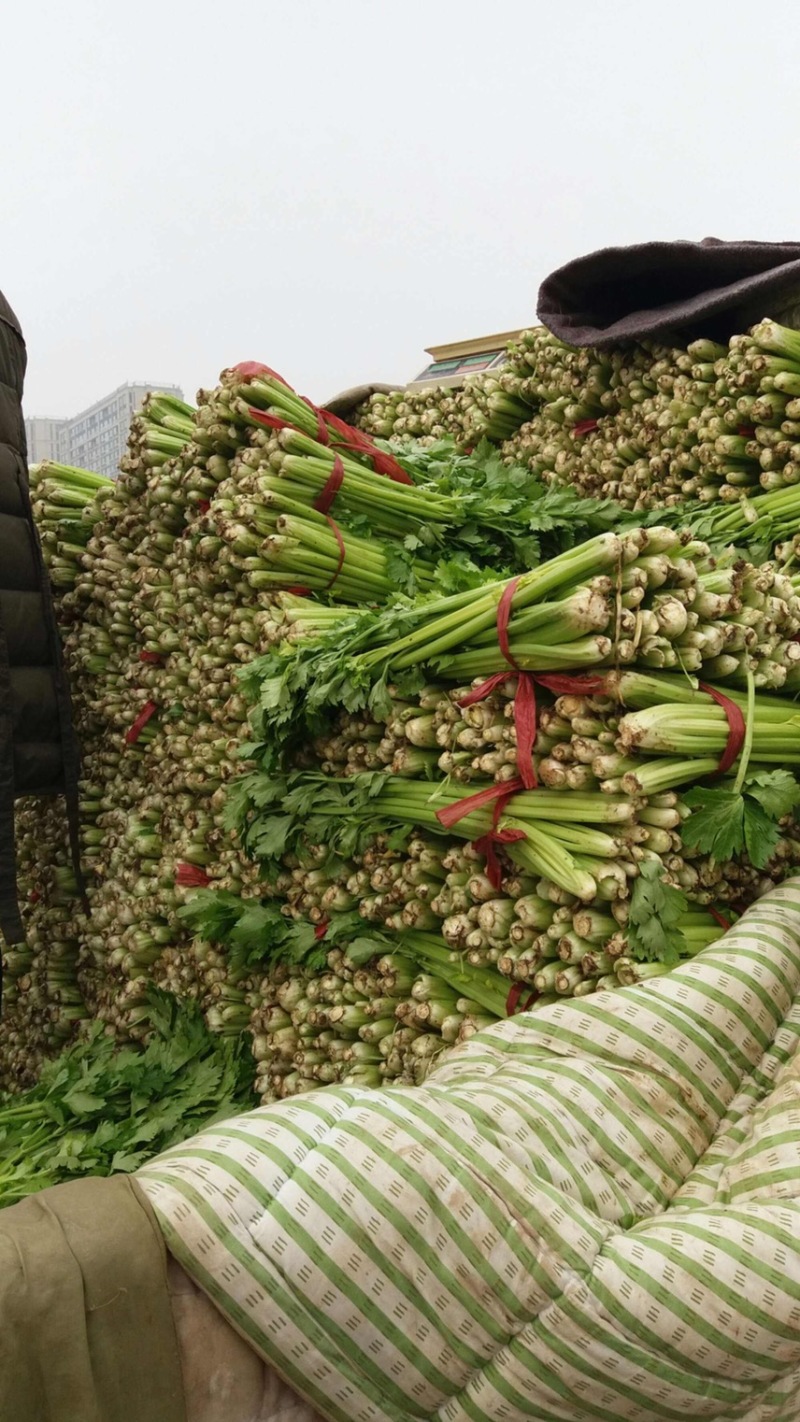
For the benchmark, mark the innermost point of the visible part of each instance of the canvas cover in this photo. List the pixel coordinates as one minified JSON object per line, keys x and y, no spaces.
{"x":86,"y":1329}
{"x":348,"y":402}
{"x":671,"y":291}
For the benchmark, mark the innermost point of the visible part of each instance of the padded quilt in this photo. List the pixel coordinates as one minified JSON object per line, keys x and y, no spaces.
{"x":589,"y":1211}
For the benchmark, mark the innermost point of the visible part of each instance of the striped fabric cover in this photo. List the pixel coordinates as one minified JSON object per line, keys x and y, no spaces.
{"x":587,"y":1212}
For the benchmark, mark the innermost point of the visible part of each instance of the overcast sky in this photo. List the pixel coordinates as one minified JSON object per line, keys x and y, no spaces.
{"x":332,"y":187}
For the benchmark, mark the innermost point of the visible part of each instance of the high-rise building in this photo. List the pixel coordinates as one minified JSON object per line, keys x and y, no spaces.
{"x":95,"y":439}
{"x":47,"y":439}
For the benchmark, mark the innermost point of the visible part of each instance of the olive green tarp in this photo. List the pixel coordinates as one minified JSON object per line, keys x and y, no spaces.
{"x":86,"y":1326}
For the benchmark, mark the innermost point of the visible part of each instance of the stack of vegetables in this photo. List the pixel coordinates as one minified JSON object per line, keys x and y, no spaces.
{"x":649,"y":426}
{"x":490,"y":405}
{"x":478,"y":771}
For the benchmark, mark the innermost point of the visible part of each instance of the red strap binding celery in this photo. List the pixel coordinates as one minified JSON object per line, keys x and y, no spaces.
{"x":525,"y":699}
{"x":191,"y":876}
{"x":737,"y":727}
{"x":251,"y":369}
{"x":720,"y":918}
{"x":525,"y":723}
{"x":133,"y":732}
{"x":584,"y":427}
{"x":503,"y":618}
{"x":154,"y":658}
{"x":450,"y":815}
{"x":352,"y":440}
{"x":321,"y":929}
{"x":514,"y":1003}
{"x":325,"y":498}
{"x":500,"y":795}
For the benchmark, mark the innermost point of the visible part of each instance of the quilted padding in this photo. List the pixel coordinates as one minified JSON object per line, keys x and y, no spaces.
{"x":588,"y":1211}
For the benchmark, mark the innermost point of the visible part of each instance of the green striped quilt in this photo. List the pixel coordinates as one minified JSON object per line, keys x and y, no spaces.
{"x":590,"y":1211}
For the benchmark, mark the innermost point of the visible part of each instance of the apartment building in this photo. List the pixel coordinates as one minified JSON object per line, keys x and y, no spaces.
{"x":95,"y":439}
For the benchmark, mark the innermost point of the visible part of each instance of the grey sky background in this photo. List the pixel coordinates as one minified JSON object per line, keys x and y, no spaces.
{"x":331,"y":187}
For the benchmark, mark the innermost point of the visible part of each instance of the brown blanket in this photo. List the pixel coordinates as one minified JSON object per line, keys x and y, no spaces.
{"x":671,"y":291}
{"x":86,"y":1326}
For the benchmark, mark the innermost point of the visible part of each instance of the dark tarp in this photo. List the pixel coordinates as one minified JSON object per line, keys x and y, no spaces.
{"x":86,"y":1326}
{"x":38,"y":752}
{"x":664,"y":290}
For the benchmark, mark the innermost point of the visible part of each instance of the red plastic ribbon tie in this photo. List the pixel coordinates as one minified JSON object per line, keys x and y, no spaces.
{"x":327,"y":494}
{"x":514,"y":1003}
{"x":322,"y":429}
{"x":450,"y":815}
{"x":480,"y":693}
{"x":524,"y":718}
{"x":737,"y":727}
{"x":525,"y":722}
{"x":191,"y":876}
{"x":559,"y":684}
{"x":720,"y":918}
{"x":252,"y":369}
{"x":272,"y":422}
{"x":299,"y":592}
{"x":34,"y":896}
{"x":357,"y":442}
{"x":746,"y":431}
{"x":133,"y":732}
{"x":203,"y":505}
{"x":486,"y":845}
{"x":584,"y":427}
{"x":153,"y":658}
{"x":321,"y":929}
{"x":503,"y":616}
{"x":337,"y":533}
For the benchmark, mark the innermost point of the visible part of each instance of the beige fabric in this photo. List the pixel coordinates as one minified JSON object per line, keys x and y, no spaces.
{"x":348,"y":401}
{"x":86,"y":1332}
{"x":224,"y":1380}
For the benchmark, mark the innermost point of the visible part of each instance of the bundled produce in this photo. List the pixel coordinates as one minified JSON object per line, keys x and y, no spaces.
{"x":175,"y":592}
{"x":489,"y":405}
{"x":649,"y":426}
{"x":66,"y":506}
{"x":482,"y":775}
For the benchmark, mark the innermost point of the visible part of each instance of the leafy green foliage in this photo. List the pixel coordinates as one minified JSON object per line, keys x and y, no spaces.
{"x":655,"y":913}
{"x":257,"y":934}
{"x":505,"y":521}
{"x":726,"y":823}
{"x":101,"y":1110}
{"x":777,"y":791}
